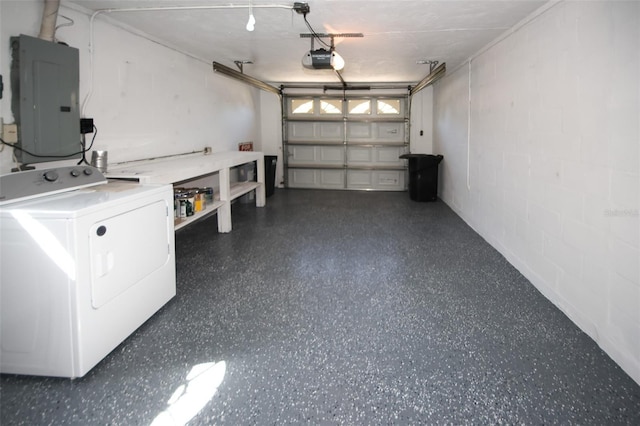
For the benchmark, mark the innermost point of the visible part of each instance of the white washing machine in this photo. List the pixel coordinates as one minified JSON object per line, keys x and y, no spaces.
{"x":83,"y":264}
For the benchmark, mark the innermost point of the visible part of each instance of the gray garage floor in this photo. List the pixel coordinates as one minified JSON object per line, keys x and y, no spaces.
{"x":341,"y":308}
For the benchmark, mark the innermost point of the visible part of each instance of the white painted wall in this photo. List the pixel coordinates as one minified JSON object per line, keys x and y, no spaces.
{"x":148,"y":100}
{"x":422,"y":119}
{"x":271,"y":130}
{"x":553,"y":155}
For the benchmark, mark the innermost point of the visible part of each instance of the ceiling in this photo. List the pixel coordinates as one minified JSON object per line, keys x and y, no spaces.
{"x":397,"y":33}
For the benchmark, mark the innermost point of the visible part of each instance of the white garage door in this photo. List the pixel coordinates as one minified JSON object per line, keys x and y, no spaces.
{"x":345,"y":143}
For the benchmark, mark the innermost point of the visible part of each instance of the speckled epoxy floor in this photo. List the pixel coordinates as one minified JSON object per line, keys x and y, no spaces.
{"x":342,"y":308}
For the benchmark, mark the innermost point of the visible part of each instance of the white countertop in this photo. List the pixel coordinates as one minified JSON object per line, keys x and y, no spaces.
{"x":180,"y":168}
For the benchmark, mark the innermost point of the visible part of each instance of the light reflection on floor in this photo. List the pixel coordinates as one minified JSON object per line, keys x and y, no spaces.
{"x":189,"y":398}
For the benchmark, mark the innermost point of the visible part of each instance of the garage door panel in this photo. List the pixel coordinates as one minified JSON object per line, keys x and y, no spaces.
{"x":300,"y":131}
{"x":392,"y":180}
{"x":375,"y":156}
{"x":386,"y":180}
{"x":346,"y":150}
{"x":331,"y":154}
{"x":390,"y":155}
{"x":307,"y":131}
{"x":372,"y":132}
{"x":305,"y":155}
{"x":302,"y":154}
{"x":302,"y":178}
{"x":360,"y":179}
{"x":360,"y":155}
{"x":390,"y":132}
{"x":330,"y":131}
{"x":360,"y":131}
{"x":332,"y":178}
{"x":316,"y":178}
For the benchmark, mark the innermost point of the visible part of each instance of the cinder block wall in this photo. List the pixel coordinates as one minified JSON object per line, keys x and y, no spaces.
{"x":540,"y":135}
{"x":146,"y":99}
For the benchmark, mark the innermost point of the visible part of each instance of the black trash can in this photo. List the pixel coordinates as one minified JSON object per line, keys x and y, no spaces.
{"x":423,"y":176}
{"x":247,"y":173}
{"x":270,"y":162}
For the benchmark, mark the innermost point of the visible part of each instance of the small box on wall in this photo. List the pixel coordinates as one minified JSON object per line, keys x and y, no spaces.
{"x":245,"y":146}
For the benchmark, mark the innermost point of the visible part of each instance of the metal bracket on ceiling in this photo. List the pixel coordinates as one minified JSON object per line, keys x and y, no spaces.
{"x":313,"y":36}
{"x":241,"y":64}
{"x":432,"y":64}
{"x":330,"y":35}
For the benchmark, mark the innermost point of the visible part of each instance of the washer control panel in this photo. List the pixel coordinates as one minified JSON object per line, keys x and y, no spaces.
{"x":29,"y":184}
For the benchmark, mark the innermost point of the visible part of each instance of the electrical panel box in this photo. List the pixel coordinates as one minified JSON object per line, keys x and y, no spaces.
{"x":44,"y":85}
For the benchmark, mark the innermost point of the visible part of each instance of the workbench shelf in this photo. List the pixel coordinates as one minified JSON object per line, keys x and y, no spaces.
{"x":185,"y":168}
{"x":181,"y":222}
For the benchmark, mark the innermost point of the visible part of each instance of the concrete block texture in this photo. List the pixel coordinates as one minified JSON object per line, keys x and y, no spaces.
{"x":567,"y":129}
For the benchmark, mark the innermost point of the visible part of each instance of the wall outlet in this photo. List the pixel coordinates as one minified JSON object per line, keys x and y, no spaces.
{"x":10,"y":133}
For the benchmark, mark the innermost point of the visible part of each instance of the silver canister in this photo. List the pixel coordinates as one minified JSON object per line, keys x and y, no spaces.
{"x":208,"y":194}
{"x":99,"y":160}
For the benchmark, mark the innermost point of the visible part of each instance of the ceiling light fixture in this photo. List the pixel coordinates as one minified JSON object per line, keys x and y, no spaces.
{"x":251,"y":23}
{"x":337,"y":62}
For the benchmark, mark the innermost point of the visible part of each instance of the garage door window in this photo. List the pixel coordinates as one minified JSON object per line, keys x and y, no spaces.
{"x":359,"y":106}
{"x":302,"y":106}
{"x":388,"y":106}
{"x":330,"y":106}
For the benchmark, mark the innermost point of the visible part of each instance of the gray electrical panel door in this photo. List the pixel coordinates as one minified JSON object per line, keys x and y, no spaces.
{"x":44,"y":85}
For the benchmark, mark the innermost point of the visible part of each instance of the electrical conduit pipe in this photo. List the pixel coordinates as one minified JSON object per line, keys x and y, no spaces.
{"x":49,"y":18}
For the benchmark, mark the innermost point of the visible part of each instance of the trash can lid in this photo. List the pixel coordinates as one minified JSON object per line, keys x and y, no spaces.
{"x":435,"y":158}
